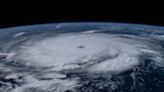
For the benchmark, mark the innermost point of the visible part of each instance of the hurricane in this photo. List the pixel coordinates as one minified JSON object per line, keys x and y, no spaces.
{"x":82,"y":57}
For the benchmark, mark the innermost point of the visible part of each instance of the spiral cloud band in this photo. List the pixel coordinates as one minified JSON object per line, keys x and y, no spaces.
{"x":93,"y":52}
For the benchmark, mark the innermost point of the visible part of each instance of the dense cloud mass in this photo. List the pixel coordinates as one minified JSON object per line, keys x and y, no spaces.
{"x":81,"y":58}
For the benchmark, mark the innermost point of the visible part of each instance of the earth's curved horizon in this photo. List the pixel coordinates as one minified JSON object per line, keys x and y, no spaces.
{"x":82,"y":57}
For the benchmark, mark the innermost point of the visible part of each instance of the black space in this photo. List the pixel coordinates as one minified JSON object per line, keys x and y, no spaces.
{"x":27,"y":13}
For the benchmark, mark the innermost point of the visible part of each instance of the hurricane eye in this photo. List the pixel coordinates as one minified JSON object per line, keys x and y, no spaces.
{"x":81,"y":47}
